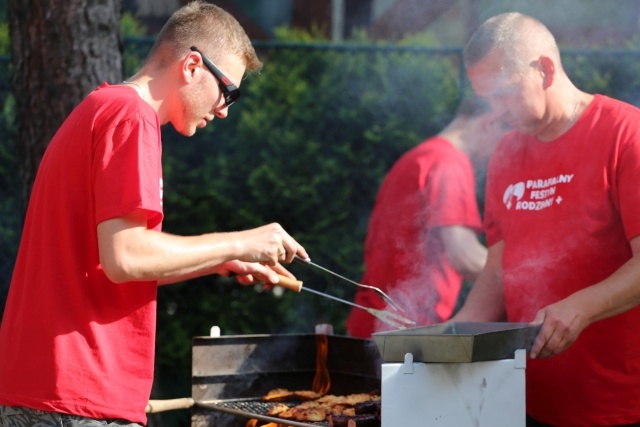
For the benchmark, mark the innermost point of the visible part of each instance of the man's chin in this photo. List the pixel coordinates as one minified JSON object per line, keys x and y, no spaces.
{"x":190,"y":131}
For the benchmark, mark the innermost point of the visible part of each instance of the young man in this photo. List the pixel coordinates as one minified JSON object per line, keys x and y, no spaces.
{"x":422,"y":239}
{"x":562,"y":220}
{"x":77,"y":338}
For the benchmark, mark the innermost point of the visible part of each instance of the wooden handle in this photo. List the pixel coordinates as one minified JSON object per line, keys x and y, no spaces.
{"x":155,"y":406}
{"x":289,"y":283}
{"x":285,"y":282}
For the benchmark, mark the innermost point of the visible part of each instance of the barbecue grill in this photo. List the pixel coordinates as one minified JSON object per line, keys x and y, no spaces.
{"x":452,"y":374}
{"x":231,"y":374}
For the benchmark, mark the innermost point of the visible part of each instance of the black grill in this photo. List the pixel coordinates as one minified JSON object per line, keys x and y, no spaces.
{"x":228,"y":373}
{"x":252,"y":408}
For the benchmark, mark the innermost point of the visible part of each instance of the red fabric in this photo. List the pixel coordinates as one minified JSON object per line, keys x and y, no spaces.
{"x":71,"y":340}
{"x":574,"y":204}
{"x":430,"y":186}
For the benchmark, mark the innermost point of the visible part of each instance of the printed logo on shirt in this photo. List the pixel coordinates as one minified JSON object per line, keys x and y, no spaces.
{"x":161,"y":190}
{"x":535,"y":194}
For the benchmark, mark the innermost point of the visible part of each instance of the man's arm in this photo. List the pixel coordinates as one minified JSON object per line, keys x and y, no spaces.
{"x":131,"y":252}
{"x":464,"y":250}
{"x":563,"y":321}
{"x":485,"y":302}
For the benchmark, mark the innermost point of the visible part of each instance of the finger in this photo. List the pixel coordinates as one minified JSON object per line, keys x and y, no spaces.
{"x":247,"y":280}
{"x":541,"y":342}
{"x":273,"y":261}
{"x":292,"y":248}
{"x":559,"y":342}
{"x":267,"y":275}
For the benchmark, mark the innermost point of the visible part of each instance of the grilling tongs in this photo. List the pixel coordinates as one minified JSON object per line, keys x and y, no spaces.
{"x":378,"y":291}
{"x":389,"y":318}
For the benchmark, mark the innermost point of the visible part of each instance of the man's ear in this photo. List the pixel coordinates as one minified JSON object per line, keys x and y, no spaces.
{"x":191,"y":65}
{"x":547,"y":70}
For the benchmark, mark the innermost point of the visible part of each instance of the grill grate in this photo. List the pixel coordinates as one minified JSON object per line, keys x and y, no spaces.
{"x":255,"y":408}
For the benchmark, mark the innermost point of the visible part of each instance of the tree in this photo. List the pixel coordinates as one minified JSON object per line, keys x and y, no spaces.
{"x":61,"y":50}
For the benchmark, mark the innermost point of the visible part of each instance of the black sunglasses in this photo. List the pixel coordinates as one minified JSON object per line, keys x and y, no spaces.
{"x":230,"y":92}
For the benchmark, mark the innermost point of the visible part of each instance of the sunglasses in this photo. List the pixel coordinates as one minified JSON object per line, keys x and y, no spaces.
{"x":230,"y":92}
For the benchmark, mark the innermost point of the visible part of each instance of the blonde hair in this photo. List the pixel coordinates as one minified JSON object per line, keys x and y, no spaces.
{"x":211,"y":29}
{"x":520,"y":37}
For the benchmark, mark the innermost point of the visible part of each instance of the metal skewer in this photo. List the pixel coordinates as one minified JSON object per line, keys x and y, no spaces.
{"x":379,"y":291}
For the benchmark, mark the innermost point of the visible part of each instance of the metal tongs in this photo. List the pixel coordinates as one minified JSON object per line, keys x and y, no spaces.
{"x":379,"y":291}
{"x":392,"y":319}
{"x":387,"y":317}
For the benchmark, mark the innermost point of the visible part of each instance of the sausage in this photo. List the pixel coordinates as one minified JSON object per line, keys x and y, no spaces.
{"x":371,"y":407}
{"x":366,"y":420}
{"x":339,"y":420}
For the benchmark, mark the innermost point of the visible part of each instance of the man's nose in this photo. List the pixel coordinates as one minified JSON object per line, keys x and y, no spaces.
{"x":221,"y":113}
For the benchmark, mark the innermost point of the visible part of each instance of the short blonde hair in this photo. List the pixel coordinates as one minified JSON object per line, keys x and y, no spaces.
{"x":520,"y":37}
{"x":211,"y":29}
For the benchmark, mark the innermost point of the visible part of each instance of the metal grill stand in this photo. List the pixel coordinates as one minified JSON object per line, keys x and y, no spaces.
{"x":475,"y":394}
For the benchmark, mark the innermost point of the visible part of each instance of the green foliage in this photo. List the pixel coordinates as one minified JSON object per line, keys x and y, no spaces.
{"x":613,"y":73}
{"x":10,"y":220}
{"x":5,"y":40}
{"x":132,"y":31}
{"x":130,"y":26}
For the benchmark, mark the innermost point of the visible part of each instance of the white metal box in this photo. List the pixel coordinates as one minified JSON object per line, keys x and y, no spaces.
{"x":474,"y":394}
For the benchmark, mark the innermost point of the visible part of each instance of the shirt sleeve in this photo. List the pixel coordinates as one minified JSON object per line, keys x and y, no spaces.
{"x":127,"y":172}
{"x":450,"y":195}
{"x":625,"y":184}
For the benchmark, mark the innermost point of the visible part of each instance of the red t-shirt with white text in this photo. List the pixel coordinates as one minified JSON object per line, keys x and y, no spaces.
{"x":566,"y":210}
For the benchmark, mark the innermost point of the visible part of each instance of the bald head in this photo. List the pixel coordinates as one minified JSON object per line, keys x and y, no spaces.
{"x":521,"y":39}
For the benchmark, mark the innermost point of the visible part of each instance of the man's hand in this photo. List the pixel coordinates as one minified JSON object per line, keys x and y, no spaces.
{"x":269,"y":244}
{"x":561,"y":322}
{"x":249,"y":273}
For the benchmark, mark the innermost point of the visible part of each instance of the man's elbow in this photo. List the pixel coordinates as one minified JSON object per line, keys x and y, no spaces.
{"x":118,"y":270}
{"x":468,"y":266}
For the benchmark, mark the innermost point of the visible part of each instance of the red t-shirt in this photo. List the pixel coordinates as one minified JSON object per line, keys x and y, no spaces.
{"x":566,"y":210}
{"x":430,"y":186}
{"x":71,"y":340}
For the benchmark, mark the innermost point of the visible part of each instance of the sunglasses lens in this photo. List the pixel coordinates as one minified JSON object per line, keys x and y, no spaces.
{"x":231,"y":97}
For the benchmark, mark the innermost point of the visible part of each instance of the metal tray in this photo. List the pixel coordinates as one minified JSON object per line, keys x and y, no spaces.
{"x":456,"y":342}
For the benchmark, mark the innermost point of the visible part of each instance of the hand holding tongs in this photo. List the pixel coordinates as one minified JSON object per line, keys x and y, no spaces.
{"x":379,"y":291}
{"x":392,"y":319}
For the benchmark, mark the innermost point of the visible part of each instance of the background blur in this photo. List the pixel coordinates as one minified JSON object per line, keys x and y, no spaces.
{"x":348,"y":86}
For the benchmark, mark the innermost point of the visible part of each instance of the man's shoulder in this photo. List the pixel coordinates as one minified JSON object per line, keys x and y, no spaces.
{"x":116,"y":103}
{"x":606,"y":103}
{"x":434,"y":145}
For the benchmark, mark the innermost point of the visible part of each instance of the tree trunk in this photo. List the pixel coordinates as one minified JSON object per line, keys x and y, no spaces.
{"x":61,"y":50}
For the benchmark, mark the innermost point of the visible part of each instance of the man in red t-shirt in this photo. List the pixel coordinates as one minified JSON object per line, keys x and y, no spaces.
{"x":78,"y":332}
{"x":562,"y":219}
{"x":422,"y":238}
